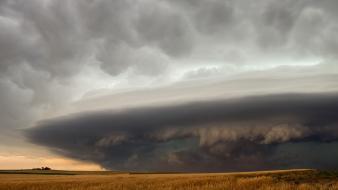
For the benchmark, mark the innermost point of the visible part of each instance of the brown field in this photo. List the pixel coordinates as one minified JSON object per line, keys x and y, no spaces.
{"x":70,"y":180}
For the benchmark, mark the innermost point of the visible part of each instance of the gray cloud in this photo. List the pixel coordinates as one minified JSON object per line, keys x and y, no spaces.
{"x":60,"y":38}
{"x":45,"y":45}
{"x":165,"y":28}
{"x":277,"y":21}
{"x":214,"y":16}
{"x":233,"y":134}
{"x":53,"y":52}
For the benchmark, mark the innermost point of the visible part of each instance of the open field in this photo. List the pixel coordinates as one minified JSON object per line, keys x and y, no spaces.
{"x":62,"y":180}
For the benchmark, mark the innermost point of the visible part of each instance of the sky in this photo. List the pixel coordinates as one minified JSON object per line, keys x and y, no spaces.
{"x":169,"y":85}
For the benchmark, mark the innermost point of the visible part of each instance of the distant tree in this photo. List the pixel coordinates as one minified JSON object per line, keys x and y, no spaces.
{"x":46,"y":168}
{"x":42,"y":168}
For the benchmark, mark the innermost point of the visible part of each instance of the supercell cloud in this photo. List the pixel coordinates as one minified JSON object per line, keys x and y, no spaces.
{"x":249,"y":133}
{"x":180,"y":85}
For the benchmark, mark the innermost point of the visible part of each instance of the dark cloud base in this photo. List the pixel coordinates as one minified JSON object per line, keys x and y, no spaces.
{"x":251,"y":133}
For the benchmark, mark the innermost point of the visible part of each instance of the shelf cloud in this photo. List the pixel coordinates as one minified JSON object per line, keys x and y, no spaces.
{"x":171,"y":84}
{"x":232,"y":134}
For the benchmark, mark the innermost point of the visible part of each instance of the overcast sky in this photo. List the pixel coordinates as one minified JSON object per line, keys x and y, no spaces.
{"x":179,"y":85}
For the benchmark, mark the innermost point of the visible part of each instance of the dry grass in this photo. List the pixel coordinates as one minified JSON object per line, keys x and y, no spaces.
{"x":283,"y":180}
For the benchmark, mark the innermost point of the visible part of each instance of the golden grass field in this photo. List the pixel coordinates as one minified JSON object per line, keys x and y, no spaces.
{"x":269,"y":180}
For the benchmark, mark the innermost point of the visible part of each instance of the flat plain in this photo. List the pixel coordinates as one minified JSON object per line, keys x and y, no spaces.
{"x":105,"y":180}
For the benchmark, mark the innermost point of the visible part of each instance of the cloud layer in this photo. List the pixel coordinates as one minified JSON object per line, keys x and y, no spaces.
{"x":235,"y":134}
{"x":48,"y":46}
{"x":158,"y":52}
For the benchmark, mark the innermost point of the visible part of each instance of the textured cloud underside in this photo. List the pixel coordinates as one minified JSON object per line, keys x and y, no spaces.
{"x":258,"y":132}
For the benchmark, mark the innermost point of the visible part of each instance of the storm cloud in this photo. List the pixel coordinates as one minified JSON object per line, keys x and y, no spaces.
{"x":234,"y":134}
{"x":145,"y":59}
{"x":48,"y":45}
